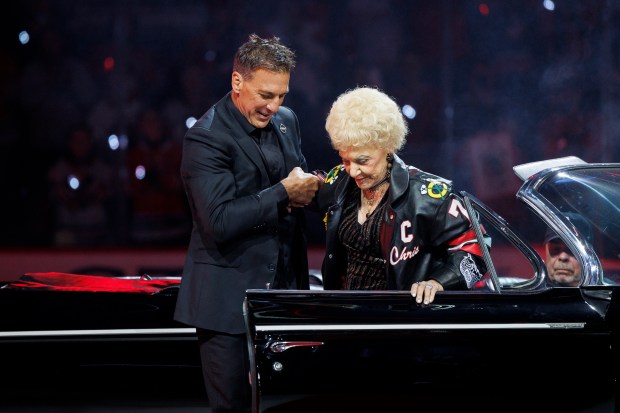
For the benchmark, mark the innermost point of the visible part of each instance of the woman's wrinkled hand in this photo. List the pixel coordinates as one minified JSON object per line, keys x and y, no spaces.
{"x":425,"y":291}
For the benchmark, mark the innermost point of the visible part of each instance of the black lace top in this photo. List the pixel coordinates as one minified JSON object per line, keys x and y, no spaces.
{"x":365,"y":266}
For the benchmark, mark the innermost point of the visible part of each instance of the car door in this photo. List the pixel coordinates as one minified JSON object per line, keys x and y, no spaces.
{"x":509,"y":331}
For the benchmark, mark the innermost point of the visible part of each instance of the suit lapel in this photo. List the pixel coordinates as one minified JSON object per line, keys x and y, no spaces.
{"x":284,"y":138}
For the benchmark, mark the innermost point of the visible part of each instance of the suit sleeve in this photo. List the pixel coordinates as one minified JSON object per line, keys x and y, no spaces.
{"x":224,"y":192}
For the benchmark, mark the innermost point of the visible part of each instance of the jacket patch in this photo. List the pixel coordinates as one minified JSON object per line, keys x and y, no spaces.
{"x":406,"y":236}
{"x":435,"y":189}
{"x":333,"y":175}
{"x":470,"y":271}
{"x":396,"y":256}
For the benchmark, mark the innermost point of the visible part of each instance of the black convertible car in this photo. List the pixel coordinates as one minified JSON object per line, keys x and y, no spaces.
{"x":74,"y":335}
{"x":513,"y":343}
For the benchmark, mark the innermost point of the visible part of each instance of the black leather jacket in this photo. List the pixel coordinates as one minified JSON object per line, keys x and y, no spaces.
{"x":425,"y":231}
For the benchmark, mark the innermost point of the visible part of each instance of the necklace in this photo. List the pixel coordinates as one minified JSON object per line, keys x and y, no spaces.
{"x":379,"y":184}
{"x":370,"y":197}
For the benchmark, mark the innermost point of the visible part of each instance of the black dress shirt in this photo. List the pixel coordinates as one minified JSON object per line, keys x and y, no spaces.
{"x":267,"y":142}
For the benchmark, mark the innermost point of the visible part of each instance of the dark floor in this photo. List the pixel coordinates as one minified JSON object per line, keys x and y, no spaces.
{"x":183,"y":393}
{"x":188,"y":405}
{"x":103,"y":390}
{"x":99,"y":402}
{"x":163,"y":403}
{"x":110,"y":406}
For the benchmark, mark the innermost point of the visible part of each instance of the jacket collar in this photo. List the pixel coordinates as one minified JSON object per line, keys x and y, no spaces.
{"x":399,"y":179}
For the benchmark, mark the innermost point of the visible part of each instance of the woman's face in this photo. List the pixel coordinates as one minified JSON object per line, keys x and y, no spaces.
{"x":368,"y":165}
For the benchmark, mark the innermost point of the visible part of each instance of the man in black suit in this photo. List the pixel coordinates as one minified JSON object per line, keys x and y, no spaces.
{"x":245,"y":180}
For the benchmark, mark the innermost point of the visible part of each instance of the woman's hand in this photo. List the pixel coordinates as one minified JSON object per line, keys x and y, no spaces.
{"x":425,"y":290}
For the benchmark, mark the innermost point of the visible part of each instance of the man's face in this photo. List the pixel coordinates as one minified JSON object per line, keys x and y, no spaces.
{"x":562,"y":266}
{"x":260,"y":97}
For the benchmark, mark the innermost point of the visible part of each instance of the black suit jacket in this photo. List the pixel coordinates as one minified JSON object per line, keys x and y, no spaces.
{"x":236,"y":223}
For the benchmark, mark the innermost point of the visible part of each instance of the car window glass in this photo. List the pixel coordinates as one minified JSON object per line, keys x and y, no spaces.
{"x":512,"y":266}
{"x":593,"y":195}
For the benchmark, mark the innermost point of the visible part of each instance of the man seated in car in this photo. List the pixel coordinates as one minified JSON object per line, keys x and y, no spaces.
{"x":562,"y":266}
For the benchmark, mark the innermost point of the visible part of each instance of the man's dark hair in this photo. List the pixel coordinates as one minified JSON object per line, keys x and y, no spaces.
{"x":268,"y":54}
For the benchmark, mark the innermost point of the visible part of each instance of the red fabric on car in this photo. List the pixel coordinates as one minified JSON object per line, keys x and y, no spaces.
{"x":58,"y":281}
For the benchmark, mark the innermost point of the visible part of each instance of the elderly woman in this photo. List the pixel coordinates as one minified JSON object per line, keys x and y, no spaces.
{"x":389,"y":225}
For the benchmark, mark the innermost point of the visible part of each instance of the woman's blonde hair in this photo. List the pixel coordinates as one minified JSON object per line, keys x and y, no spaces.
{"x":363,"y":117}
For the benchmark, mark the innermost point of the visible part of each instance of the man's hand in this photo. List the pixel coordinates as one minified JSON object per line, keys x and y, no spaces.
{"x":301,"y":187}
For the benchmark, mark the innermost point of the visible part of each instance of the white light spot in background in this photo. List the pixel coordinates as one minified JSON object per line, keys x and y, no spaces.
{"x":140,"y":172}
{"x":549,"y":5}
{"x":113,"y":142}
{"x":24,"y":37}
{"x":409,"y":112}
{"x":189,"y":122}
{"x":73,"y":181}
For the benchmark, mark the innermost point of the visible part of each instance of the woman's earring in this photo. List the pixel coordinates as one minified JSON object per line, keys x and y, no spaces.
{"x":389,"y":158}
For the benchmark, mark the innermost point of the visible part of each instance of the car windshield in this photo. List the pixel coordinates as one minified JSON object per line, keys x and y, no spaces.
{"x":593,"y":194}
